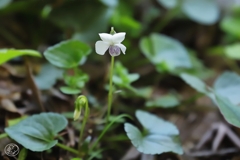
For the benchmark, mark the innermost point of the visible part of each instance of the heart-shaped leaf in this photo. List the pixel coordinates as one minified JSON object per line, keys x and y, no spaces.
{"x":230,"y":111}
{"x":67,"y":54}
{"x":7,"y":54}
{"x":164,"y":52}
{"x":159,"y":135}
{"x":37,"y":132}
{"x":228,"y":85}
{"x":202,"y":11}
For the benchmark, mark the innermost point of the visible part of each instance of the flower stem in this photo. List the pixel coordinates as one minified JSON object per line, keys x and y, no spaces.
{"x":110,"y":89}
{"x":106,"y":128}
{"x":67,"y":148}
{"x":85,"y":118}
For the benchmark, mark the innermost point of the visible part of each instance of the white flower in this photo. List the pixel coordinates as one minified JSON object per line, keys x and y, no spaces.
{"x":111,"y":42}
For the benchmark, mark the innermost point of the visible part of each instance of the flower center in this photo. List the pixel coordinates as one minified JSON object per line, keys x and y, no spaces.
{"x":114,"y":50}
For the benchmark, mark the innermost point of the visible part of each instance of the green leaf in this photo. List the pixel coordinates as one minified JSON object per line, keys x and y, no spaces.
{"x":165,"y":52}
{"x":23,"y":154}
{"x":4,"y":3}
{"x":121,"y":75}
{"x":159,"y":136}
{"x":202,"y":11}
{"x":67,"y":54}
{"x":43,"y":80}
{"x":7,"y":54}
{"x":228,"y":85}
{"x":37,"y":132}
{"x":231,"y":25}
{"x":77,"y":80}
{"x":167,"y":101}
{"x":233,"y":51}
{"x":168,"y":3}
{"x":195,"y":83}
{"x":230,"y":112}
{"x":70,"y":90}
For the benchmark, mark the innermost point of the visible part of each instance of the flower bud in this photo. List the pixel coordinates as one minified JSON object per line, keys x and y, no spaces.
{"x":79,"y":103}
{"x":112,"y":32}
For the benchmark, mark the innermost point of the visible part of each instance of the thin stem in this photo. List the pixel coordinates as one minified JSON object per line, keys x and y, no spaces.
{"x":3,"y":135}
{"x":86,"y":114}
{"x":67,"y":148}
{"x":106,"y":128}
{"x":110,"y":89}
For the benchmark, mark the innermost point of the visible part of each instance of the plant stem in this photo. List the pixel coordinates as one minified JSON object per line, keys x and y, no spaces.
{"x":106,"y":128}
{"x":67,"y":148}
{"x":110,"y":89}
{"x":85,"y":118}
{"x":3,"y":135}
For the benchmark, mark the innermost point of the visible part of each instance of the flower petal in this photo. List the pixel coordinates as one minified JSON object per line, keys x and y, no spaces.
{"x":118,"y":37}
{"x":106,"y":37}
{"x":123,"y":48}
{"x":101,"y":47}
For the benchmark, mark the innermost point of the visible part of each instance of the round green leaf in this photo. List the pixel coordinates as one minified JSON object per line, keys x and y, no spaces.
{"x":160,"y":136}
{"x":165,"y":51}
{"x":168,"y":3}
{"x":67,"y":54}
{"x":37,"y":132}
{"x":202,"y":11}
{"x":228,"y":85}
{"x":7,"y":54}
{"x":230,"y":111}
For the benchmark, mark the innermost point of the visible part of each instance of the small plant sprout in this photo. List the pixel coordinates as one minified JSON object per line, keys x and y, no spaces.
{"x":81,"y":102}
{"x":111,"y":42}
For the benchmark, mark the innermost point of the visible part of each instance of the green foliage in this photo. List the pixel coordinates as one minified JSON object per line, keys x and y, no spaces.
{"x":230,"y":24}
{"x":4,"y":3}
{"x":67,"y":54}
{"x":228,"y":85}
{"x":37,"y":132}
{"x":224,"y":94}
{"x":232,"y":51}
{"x":159,"y":136}
{"x":23,"y":154}
{"x":202,"y":11}
{"x":166,"y":101}
{"x":230,"y":111}
{"x":75,"y":82}
{"x":165,"y":53}
{"x":43,"y":80}
{"x":121,"y":76}
{"x":7,"y":54}
{"x":195,"y":83}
